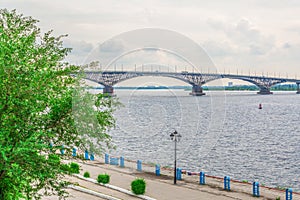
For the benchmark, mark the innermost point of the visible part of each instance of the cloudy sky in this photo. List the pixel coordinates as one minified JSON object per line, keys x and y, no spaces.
{"x":256,"y":36}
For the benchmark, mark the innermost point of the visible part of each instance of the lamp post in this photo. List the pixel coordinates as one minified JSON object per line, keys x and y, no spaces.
{"x":176,"y":138}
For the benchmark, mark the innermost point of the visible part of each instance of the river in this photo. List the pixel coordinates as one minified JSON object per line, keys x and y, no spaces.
{"x":223,"y":133}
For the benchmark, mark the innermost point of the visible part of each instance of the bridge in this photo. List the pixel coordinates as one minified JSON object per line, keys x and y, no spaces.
{"x":109,"y":78}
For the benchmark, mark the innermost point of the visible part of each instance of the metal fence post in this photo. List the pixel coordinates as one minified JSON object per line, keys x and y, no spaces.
{"x":202,"y":178}
{"x":227,"y":183}
{"x":62,"y":150}
{"x":92,"y":157}
{"x":256,"y":189}
{"x":74,"y":152}
{"x":86,"y":155}
{"x":139,"y":165}
{"x":289,"y":194}
{"x":106,"y":158}
{"x":178,"y":174}
{"x":157,"y":170}
{"x":122,"y":161}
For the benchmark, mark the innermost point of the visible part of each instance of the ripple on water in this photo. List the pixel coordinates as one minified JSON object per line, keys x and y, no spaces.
{"x":247,"y":143}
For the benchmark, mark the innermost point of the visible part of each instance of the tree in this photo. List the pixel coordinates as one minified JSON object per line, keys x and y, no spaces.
{"x":37,"y":106}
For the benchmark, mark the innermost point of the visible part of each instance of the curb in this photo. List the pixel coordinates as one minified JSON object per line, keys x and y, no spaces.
{"x":113,"y":187}
{"x":91,"y":192}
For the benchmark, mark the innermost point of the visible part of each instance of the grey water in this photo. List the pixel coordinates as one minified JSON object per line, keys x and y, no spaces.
{"x":223,"y":133}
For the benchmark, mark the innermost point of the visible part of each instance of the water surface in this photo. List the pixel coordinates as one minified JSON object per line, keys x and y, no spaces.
{"x":223,"y":133}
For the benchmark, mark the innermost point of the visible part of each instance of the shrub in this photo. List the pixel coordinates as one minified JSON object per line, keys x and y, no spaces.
{"x":103,"y":178}
{"x":74,"y":168}
{"x":277,"y":198}
{"x":138,"y":186}
{"x":86,"y":175}
{"x":54,"y":159}
{"x":65,"y":168}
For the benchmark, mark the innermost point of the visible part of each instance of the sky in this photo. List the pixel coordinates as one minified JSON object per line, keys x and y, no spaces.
{"x":244,"y":37}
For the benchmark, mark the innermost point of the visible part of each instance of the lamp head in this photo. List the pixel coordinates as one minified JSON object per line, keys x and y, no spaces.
{"x":172,"y":136}
{"x":175,"y":136}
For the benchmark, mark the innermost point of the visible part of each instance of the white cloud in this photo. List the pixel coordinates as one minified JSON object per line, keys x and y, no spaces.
{"x":114,"y":46}
{"x":80,"y":49}
{"x":245,"y":46}
{"x":234,"y":33}
{"x":244,"y":37}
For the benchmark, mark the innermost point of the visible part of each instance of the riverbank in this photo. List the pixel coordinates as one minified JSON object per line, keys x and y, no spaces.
{"x":162,"y":187}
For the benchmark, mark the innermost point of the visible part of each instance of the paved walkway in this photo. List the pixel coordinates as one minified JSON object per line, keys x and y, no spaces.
{"x":162,"y":187}
{"x":155,"y":189}
{"x":75,"y":195}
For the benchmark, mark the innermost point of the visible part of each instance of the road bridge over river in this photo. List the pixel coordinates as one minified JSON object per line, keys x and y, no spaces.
{"x":109,"y":78}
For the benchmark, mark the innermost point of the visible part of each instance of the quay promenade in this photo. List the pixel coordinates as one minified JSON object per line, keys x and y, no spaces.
{"x":162,"y":187}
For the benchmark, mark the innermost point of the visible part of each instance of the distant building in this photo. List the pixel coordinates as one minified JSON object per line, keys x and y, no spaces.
{"x":230,"y":84}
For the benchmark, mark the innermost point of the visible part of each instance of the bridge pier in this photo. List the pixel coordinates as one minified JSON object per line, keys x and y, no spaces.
{"x":298,"y":87}
{"x":197,"y":91}
{"x":109,"y":90}
{"x":264,"y":91}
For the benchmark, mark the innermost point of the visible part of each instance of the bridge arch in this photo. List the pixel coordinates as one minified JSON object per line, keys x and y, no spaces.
{"x":246,"y":80}
{"x":94,"y":81}
{"x":166,"y":76}
{"x":264,"y":84}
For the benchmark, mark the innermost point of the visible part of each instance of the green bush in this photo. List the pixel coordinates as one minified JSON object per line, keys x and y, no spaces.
{"x":86,"y":175}
{"x":54,"y":159}
{"x":74,"y":168}
{"x":65,"y":168}
{"x":138,"y":186}
{"x":103,"y":178}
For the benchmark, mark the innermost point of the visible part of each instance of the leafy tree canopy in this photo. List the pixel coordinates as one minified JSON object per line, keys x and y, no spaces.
{"x":41,"y":101}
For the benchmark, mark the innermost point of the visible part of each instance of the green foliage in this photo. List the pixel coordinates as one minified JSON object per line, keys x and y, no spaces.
{"x":86,"y":175}
{"x":277,"y":198}
{"x":138,"y":186}
{"x":74,"y":168}
{"x":71,"y":168}
{"x":280,"y":187}
{"x":151,"y":164}
{"x":40,"y":101}
{"x":65,"y":168}
{"x":103,"y":178}
{"x":54,"y":159}
{"x":91,"y":122}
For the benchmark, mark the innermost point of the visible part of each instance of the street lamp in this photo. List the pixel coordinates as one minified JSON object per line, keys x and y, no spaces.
{"x":176,"y":138}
